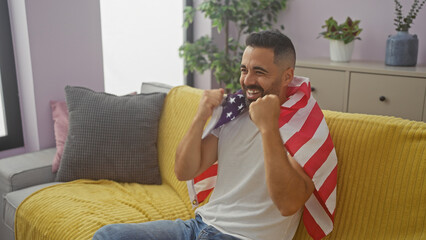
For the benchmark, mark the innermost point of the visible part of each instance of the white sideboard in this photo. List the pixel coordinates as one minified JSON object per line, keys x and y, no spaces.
{"x":367,"y":87}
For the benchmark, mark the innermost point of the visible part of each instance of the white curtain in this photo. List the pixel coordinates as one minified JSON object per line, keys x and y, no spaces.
{"x":140,"y":41}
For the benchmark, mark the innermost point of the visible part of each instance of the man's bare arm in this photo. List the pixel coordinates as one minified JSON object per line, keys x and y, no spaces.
{"x":194,"y":155}
{"x":288,"y":185}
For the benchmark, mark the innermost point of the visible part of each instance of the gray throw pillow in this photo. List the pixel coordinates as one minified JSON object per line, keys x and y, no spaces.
{"x":111,"y":137}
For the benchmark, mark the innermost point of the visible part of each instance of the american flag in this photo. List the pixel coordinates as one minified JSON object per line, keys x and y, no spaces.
{"x":306,"y":137}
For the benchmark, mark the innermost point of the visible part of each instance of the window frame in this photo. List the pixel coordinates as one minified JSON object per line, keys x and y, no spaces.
{"x":9,"y":81}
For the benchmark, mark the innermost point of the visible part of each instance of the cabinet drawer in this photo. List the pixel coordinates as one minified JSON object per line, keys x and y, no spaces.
{"x":328,"y":87}
{"x":387,"y":95}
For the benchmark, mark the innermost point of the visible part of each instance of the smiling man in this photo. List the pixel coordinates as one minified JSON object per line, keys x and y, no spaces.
{"x":260,"y":190}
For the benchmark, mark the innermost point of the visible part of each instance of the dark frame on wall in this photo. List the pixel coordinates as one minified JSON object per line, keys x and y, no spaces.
{"x":9,"y":83}
{"x":189,"y":37}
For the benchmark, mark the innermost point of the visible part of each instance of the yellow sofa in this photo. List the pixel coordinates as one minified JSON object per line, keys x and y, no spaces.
{"x":381,"y":190}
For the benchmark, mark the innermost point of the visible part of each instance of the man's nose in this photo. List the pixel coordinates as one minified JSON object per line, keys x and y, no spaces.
{"x":249,"y":79}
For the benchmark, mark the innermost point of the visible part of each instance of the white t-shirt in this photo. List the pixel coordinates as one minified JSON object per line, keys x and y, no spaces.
{"x":240,"y":204}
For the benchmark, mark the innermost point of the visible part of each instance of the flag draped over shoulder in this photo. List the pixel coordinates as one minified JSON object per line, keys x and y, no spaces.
{"x":306,"y":137}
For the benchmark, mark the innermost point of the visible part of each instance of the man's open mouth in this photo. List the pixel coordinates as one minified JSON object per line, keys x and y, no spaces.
{"x":253,"y":94}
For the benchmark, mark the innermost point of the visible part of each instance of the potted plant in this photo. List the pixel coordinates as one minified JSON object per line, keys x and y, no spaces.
{"x":402,"y":48}
{"x":342,"y":38}
{"x":224,"y":60}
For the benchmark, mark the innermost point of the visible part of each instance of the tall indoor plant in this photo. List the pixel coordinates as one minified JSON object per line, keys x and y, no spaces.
{"x":342,"y":38}
{"x":247,"y":16}
{"x":402,"y":48}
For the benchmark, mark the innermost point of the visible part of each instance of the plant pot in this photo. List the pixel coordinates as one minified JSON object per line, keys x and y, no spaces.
{"x":402,"y":49}
{"x":341,"y":52}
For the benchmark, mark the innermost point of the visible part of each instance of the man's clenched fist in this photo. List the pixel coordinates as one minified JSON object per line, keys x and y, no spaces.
{"x":265,"y":112}
{"x":209,"y":101}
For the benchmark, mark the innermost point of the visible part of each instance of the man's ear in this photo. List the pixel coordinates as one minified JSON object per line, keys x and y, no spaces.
{"x":288,"y":75}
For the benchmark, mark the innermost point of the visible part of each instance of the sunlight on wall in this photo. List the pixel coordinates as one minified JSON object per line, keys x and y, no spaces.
{"x":140,"y":43}
{"x":2,"y":114}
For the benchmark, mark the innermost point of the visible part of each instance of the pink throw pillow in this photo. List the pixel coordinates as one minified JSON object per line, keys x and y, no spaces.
{"x":60,"y":118}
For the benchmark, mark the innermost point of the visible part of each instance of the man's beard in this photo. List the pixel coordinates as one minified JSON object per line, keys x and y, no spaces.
{"x":274,"y":89}
{"x":252,"y":87}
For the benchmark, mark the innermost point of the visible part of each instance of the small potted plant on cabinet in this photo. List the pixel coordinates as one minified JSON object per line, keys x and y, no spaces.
{"x":402,"y":48}
{"x":342,"y":38}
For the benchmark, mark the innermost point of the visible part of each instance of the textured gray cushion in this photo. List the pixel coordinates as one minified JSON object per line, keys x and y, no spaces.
{"x":111,"y":137}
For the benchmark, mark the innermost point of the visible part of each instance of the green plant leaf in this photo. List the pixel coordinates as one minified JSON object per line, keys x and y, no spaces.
{"x":347,"y":31}
{"x":247,"y":16}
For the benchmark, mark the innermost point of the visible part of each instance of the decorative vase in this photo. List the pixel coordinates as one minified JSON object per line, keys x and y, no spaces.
{"x":402,"y":49}
{"x":341,"y":52}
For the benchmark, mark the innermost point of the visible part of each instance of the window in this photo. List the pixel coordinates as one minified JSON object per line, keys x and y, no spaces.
{"x":140,"y":43}
{"x":10,"y":116}
{"x":2,"y":114}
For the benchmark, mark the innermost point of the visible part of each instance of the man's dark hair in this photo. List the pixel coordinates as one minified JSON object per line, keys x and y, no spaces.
{"x":282,"y":45}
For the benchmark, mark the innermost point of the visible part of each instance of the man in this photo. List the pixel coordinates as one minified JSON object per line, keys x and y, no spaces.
{"x":260,"y":188}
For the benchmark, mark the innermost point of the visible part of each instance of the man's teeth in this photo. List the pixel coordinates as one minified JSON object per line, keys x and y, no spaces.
{"x":252,"y":91}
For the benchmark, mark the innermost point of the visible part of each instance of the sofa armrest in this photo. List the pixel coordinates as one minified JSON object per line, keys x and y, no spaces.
{"x":150,"y":87}
{"x":26,"y":170}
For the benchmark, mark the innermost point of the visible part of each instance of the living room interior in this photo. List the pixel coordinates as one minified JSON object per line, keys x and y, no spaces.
{"x":57,"y":43}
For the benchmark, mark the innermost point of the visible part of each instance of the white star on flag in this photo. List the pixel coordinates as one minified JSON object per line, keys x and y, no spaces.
{"x":240,"y":95}
{"x":228,"y":115}
{"x":232,"y":100}
{"x":240,"y":107}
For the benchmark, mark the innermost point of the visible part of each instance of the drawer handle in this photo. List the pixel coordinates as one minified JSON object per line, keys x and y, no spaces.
{"x":313,"y":89}
{"x":382,"y":98}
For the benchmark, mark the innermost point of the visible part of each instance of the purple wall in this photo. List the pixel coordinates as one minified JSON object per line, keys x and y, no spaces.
{"x":66,"y":49}
{"x":56,"y":43}
{"x":303,"y":20}
{"x":202,"y":27}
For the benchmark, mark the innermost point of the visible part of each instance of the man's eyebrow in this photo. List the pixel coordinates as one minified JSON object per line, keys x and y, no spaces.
{"x":260,"y":68}
{"x":255,"y":68}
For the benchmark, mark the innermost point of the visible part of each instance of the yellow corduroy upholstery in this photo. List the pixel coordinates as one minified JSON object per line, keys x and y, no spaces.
{"x":381,"y":190}
{"x":75,"y":210}
{"x":179,"y":109}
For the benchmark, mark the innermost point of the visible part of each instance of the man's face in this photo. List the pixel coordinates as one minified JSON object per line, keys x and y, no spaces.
{"x":260,"y":76}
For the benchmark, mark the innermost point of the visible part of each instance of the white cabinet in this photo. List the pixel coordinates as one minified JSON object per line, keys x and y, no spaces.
{"x":328,"y":87}
{"x":367,"y":87}
{"x":387,"y":95}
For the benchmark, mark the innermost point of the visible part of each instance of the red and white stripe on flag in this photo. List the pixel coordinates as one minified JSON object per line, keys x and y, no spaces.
{"x":306,"y":137}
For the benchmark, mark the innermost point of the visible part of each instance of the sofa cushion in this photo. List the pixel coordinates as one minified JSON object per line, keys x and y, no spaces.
{"x":381,"y":185}
{"x":179,"y":110}
{"x":13,"y":199}
{"x":111,"y":137}
{"x":77,"y":209}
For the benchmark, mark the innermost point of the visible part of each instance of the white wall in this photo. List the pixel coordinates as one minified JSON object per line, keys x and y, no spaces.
{"x":140,"y":43}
